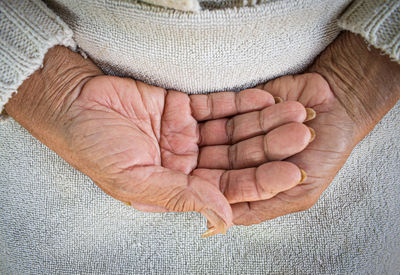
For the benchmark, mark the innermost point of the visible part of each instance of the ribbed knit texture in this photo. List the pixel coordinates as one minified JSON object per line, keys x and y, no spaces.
{"x":378,"y":21}
{"x":27,"y":30}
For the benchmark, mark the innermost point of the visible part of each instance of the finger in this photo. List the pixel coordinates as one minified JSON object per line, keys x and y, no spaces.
{"x":174,"y":191}
{"x":278,"y":144}
{"x":299,"y":198}
{"x":263,"y":182}
{"x":254,"y":184}
{"x":300,"y":88}
{"x":244,"y":126}
{"x":179,"y":134}
{"x":219,"y":105}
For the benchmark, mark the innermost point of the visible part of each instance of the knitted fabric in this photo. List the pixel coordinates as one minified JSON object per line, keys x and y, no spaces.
{"x":184,"y":5}
{"x":378,"y":21}
{"x":209,"y":51}
{"x":27,"y":30}
{"x":228,"y":45}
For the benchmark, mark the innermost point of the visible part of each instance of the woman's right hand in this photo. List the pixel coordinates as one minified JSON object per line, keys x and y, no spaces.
{"x":162,"y":150}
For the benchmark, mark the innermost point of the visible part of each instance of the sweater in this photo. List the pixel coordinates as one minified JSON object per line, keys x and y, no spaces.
{"x":55,"y":220}
{"x":192,"y":46}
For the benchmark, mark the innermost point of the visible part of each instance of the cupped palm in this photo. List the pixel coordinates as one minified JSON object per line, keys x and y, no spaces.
{"x":166,"y":151}
{"x":336,"y":136}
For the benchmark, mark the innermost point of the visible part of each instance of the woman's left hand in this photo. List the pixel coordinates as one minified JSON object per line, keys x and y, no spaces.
{"x":351,"y":88}
{"x":322,"y":159}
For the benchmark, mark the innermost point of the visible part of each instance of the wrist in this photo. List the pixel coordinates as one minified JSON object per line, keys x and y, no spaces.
{"x":365,"y":81}
{"x":47,"y":94}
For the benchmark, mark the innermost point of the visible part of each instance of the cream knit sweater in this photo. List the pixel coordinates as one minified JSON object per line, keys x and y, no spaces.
{"x":209,"y":46}
{"x":55,"y":220}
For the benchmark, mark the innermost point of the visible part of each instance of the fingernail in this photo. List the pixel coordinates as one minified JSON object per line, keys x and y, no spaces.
{"x":312,"y":134}
{"x":303,"y":175}
{"x":210,"y":232}
{"x":127,"y":203}
{"x":218,"y":224}
{"x":278,"y":99}
{"x":311,"y":114}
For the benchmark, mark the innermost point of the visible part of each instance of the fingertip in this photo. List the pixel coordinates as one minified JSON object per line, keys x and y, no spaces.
{"x":218,"y":225}
{"x":210,"y":232}
{"x":277,"y":176}
{"x":211,"y":203}
{"x":254,"y":99}
{"x":296,"y":110}
{"x":285,"y":112}
{"x":287,"y":140}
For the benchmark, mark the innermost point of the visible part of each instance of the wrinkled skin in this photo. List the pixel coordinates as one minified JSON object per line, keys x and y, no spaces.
{"x":219,"y":154}
{"x":166,"y":151}
{"x":322,"y":159}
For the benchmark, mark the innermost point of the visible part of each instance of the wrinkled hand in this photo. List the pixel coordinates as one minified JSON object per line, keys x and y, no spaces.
{"x":353,"y":85}
{"x":163,"y":150}
{"x":166,"y":151}
{"x":322,"y":159}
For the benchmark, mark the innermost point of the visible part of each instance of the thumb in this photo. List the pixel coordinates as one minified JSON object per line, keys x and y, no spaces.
{"x":178,"y":192}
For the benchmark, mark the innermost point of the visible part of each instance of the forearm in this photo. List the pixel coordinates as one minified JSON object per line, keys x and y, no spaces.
{"x":48,"y":92}
{"x":365,"y":81}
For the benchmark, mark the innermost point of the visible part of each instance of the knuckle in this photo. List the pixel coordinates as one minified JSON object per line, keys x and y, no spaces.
{"x":254,"y":155}
{"x":230,"y":130}
{"x":232,"y":156}
{"x":238,"y":102}
{"x":265,"y":147}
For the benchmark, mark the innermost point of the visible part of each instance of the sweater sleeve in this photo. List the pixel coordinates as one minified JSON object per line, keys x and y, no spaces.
{"x":378,"y":21}
{"x":28,"y":29}
{"x":184,"y":5}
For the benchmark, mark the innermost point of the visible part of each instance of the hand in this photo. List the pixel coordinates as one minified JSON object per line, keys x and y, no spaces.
{"x":163,"y":150}
{"x":351,"y":89}
{"x":321,"y":159}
